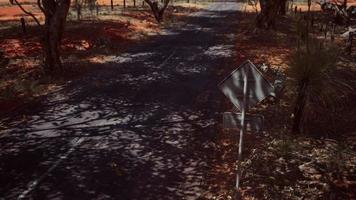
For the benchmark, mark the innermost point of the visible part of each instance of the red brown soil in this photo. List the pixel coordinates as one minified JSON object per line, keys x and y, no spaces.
{"x":81,"y":40}
{"x":273,"y":47}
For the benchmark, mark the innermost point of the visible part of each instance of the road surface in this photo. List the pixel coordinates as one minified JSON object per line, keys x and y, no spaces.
{"x":143,"y":126}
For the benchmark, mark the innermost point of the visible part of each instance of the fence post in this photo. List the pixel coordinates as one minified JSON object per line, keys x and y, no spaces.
{"x":23,"y":25}
{"x":295,"y":10}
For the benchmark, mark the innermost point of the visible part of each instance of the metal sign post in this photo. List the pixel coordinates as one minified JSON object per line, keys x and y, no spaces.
{"x":244,"y":87}
{"x":242,"y":129}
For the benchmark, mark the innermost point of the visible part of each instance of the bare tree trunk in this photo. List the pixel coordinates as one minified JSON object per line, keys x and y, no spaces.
{"x":270,"y":9}
{"x":78,"y":9}
{"x":157,"y":12}
{"x":344,"y":4}
{"x":55,"y":13}
{"x":269,"y":12}
{"x":283,"y":7}
{"x":53,"y":30}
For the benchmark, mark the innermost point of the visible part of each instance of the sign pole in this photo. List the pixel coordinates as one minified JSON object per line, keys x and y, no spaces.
{"x":242,"y":130}
{"x":237,"y":86}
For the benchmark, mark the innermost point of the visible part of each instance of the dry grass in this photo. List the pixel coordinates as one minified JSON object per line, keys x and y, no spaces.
{"x":278,"y":164}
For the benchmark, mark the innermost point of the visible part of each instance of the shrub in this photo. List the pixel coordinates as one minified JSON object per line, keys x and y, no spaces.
{"x":312,"y":69}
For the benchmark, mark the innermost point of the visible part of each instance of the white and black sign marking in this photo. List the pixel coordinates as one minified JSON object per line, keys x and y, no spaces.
{"x":244,"y":87}
{"x":232,"y":120}
{"x":258,"y":88}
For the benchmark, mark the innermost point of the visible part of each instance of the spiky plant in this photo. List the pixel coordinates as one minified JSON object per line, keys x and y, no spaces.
{"x":312,"y":68}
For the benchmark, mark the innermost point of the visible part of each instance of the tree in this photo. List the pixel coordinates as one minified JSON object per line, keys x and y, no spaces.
{"x":283,"y":7}
{"x":157,"y":10}
{"x":270,"y":9}
{"x":91,"y":4}
{"x":78,"y":6}
{"x":338,"y":9}
{"x":341,"y":3}
{"x":55,"y":13}
{"x":344,"y":4}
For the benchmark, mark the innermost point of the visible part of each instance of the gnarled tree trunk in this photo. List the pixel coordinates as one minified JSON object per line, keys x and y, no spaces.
{"x":283,"y":7}
{"x":55,"y":12}
{"x":344,"y":4}
{"x":55,"y":17}
{"x":270,"y":9}
{"x":266,"y":18}
{"x":157,"y":12}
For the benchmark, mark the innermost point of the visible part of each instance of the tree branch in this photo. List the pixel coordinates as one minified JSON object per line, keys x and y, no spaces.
{"x":26,"y":12}
{"x":166,"y":2}
{"x":149,"y":2}
{"x":40,"y":6}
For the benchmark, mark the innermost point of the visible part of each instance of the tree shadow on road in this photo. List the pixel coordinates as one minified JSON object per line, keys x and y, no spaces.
{"x":141,"y":127}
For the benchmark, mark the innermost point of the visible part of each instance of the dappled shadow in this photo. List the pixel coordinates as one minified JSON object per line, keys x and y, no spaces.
{"x":141,"y":127}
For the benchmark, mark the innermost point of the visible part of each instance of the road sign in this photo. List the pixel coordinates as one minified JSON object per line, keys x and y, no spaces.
{"x":232,"y":120}
{"x":258,"y":88}
{"x":244,"y":87}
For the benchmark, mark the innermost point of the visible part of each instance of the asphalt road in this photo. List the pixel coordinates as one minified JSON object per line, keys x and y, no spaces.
{"x":143,"y":126}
